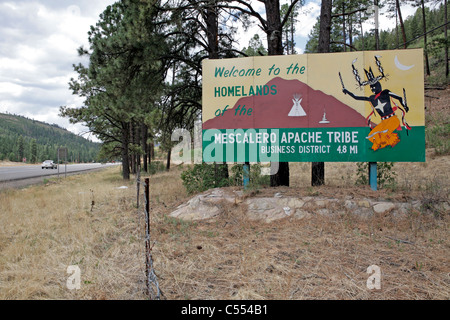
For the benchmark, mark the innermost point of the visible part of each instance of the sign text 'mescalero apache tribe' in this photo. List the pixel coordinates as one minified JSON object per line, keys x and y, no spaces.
{"x":357,"y":106}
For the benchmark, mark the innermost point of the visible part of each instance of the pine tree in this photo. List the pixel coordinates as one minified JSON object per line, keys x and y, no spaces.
{"x":33,"y":151}
{"x":20,"y":148}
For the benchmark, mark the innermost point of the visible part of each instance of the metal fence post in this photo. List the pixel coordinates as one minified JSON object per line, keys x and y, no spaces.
{"x":149,"y":272}
{"x":147,"y":232}
{"x":246,"y":174}
{"x":373,"y":175}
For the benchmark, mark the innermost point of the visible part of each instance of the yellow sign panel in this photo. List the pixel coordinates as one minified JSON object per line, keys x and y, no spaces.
{"x":380,"y":94}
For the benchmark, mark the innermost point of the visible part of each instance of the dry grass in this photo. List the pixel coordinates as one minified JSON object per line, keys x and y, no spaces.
{"x":12,"y":164}
{"x":314,"y":259}
{"x":82,"y":220}
{"x":46,"y":228}
{"x":232,"y":257}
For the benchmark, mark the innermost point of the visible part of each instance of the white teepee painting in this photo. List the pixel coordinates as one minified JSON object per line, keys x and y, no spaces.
{"x":297,"y":110}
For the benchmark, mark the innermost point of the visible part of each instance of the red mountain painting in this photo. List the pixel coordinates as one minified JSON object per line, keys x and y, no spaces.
{"x":287,"y":109}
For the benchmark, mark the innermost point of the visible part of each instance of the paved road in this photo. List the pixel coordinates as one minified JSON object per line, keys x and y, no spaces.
{"x":33,"y":171}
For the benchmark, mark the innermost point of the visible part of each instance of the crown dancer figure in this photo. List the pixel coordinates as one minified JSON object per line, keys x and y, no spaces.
{"x":382,"y":101}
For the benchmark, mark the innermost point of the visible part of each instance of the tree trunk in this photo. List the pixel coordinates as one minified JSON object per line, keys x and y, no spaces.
{"x":212,"y":30}
{"x":292,"y":30}
{"x":152,"y":150}
{"x":325,"y":26}
{"x":144,"y":145}
{"x":133,"y":155}
{"x":281,"y":177}
{"x":362,"y":31}
{"x":274,"y":28}
{"x":212,"y":34}
{"x":446,"y":43}
{"x":169,"y":153}
{"x":125,"y":159}
{"x":318,"y":168}
{"x":427,"y":63}
{"x":344,"y":40}
{"x":402,"y":26}
{"x":350,"y":32}
{"x":275,"y":47}
{"x":317,"y":173}
{"x":397,"y":36}
{"x":377,"y":35}
{"x":137,"y":140}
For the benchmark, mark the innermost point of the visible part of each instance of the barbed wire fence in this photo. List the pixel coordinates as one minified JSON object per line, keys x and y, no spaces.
{"x":152,"y":286}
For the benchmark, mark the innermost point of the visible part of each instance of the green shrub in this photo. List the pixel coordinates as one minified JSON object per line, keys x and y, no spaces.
{"x":156,"y":166}
{"x":385,"y":174}
{"x":237,"y":175}
{"x":437,"y":133}
{"x":257,"y":180}
{"x":202,"y":177}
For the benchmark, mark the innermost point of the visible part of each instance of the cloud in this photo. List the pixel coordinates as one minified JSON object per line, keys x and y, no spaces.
{"x":307,"y":18}
{"x":38,"y":46}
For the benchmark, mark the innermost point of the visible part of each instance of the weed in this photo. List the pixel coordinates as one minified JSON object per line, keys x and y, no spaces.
{"x":202,"y":177}
{"x":438,"y":135}
{"x":418,"y":266}
{"x":210,"y":234}
{"x":257,"y":180}
{"x":156,"y":166}
{"x":179,"y":227}
{"x":385,"y":175}
{"x":312,"y":192}
{"x":433,"y":195}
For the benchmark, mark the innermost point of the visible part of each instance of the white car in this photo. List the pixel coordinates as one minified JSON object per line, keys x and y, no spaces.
{"x":49,"y":164}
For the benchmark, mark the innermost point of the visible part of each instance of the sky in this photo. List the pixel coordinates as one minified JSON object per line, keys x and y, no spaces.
{"x":38,"y":46}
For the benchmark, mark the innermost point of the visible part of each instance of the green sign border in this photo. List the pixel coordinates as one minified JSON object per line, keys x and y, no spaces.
{"x":308,"y":145}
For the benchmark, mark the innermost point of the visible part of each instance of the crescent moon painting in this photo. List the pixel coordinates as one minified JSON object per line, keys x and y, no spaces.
{"x":401,"y":66}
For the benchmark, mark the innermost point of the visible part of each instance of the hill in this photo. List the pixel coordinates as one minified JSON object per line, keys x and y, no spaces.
{"x":23,"y":138}
{"x":274,"y":112}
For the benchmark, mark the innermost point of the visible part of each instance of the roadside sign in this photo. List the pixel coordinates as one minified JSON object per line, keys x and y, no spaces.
{"x":337,"y":107}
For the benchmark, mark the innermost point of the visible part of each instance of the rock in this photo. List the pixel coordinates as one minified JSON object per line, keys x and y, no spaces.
{"x":364,"y":203}
{"x":291,"y":202}
{"x":324,"y":212}
{"x":382,"y":207}
{"x":203,"y":206}
{"x":268,"y":209}
{"x":196,"y":209}
{"x":349,"y":204}
{"x":403,"y":210}
{"x":363,"y":212}
{"x":301,"y":214}
{"x":320,"y":203}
